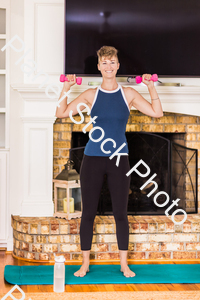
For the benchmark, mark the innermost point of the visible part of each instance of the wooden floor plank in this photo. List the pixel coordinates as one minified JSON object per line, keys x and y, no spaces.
{"x":197,"y":286}
{"x":109,"y":288}
{"x":76,"y":288}
{"x":7,"y":259}
{"x":162,"y":287}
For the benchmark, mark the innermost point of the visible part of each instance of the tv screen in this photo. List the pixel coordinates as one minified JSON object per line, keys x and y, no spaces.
{"x":157,"y":36}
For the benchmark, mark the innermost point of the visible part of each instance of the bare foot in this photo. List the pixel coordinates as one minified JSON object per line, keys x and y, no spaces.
{"x":82,"y":271}
{"x":127,"y":272}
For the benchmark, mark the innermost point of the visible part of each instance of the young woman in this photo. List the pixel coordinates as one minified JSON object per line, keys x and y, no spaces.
{"x":111,"y":103}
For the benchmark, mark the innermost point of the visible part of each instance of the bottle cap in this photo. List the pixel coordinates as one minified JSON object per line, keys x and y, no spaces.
{"x":59,"y":259}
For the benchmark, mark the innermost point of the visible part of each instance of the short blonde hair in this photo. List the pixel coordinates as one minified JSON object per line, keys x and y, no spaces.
{"x":107,"y":51}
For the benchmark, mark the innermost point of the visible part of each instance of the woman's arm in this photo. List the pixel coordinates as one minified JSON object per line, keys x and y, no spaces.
{"x":153,"y":109}
{"x":64,"y":109}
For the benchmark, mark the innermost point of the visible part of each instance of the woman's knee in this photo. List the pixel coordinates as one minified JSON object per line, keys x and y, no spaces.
{"x":88,"y":217}
{"x":120,"y":217}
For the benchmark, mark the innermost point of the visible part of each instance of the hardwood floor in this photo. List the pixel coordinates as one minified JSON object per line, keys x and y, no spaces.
{"x":7,"y":259}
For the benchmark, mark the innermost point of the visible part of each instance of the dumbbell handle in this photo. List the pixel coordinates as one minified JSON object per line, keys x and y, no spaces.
{"x":63,"y":78}
{"x":154,"y":77}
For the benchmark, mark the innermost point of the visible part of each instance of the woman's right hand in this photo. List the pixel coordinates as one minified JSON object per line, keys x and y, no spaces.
{"x":72,"y":81}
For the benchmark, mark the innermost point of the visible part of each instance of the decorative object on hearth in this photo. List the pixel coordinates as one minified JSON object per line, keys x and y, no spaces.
{"x":67,"y":193}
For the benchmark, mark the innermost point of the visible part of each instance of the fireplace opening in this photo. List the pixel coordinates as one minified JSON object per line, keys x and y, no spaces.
{"x":165,"y":154}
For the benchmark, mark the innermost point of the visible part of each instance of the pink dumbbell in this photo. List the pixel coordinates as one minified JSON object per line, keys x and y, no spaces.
{"x":154,"y":77}
{"x":64,"y":78}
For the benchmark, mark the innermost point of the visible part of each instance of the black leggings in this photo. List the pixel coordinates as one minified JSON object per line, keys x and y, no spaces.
{"x":92,"y":173}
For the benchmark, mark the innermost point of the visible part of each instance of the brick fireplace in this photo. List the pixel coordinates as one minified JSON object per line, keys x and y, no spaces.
{"x":169,"y":123}
{"x":151,"y":237}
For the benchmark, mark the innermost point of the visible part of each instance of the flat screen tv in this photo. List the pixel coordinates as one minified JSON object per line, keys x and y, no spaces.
{"x":152,"y":36}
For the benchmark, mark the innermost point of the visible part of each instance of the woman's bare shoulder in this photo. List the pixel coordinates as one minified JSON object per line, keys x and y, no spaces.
{"x":91,"y":91}
{"x":90,"y":94}
{"x":129,"y":93}
{"x":128,"y":89}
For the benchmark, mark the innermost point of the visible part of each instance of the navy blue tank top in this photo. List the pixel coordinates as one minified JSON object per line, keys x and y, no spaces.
{"x":112,"y":111}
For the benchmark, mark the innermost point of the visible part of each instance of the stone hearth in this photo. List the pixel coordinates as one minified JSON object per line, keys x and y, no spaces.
{"x":151,"y":238}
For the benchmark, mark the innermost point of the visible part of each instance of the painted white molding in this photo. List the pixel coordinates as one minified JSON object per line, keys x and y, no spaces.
{"x":36,"y":103}
{"x":37,"y":171}
{"x":183,"y":99}
{"x":40,"y":209}
{"x":30,"y":119}
{"x":38,"y":117}
{"x":49,"y":49}
{"x":43,"y":37}
{"x":3,"y":195}
{"x":5,"y":223}
{"x":10,"y":240}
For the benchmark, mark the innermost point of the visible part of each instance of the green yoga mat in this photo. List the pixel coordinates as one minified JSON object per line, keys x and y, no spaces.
{"x":105,"y":274}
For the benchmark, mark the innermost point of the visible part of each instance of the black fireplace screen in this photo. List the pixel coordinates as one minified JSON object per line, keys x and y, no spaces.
{"x":184,"y":174}
{"x":174,"y":168}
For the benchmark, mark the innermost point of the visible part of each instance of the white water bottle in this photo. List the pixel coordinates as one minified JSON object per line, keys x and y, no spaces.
{"x":59,"y":274}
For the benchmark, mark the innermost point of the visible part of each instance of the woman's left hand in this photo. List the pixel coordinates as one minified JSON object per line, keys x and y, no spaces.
{"x":146,"y":80}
